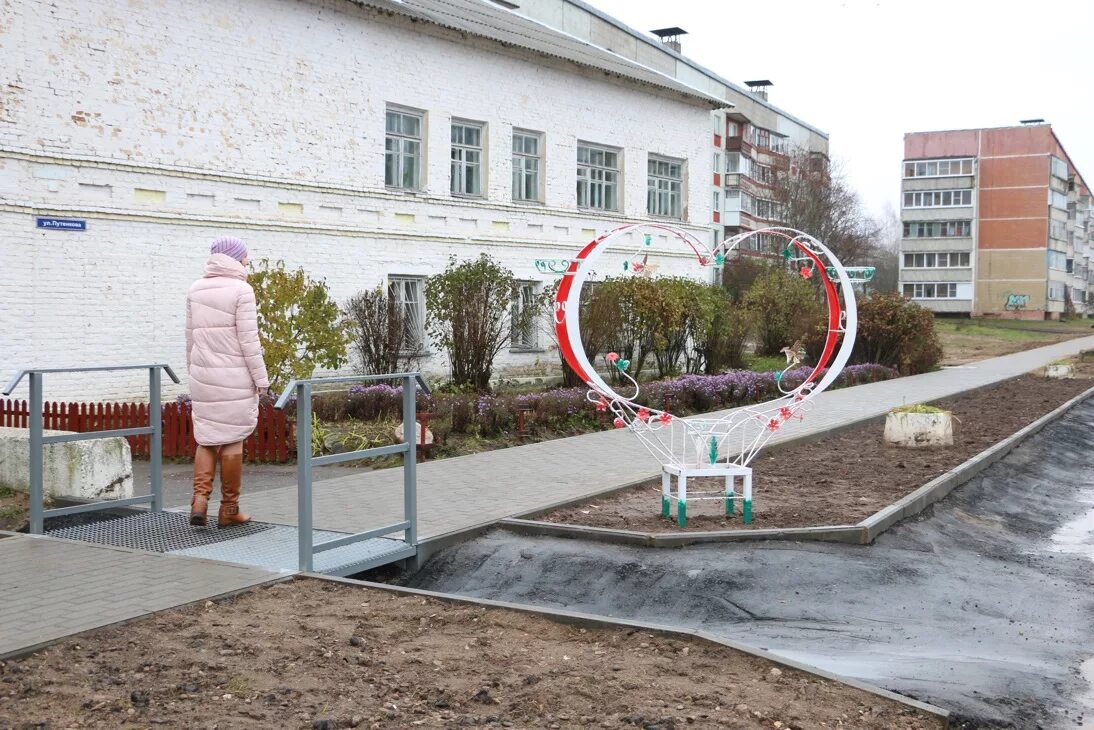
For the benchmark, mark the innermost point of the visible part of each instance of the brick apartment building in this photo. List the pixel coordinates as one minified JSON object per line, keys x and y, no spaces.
{"x":996,"y":224}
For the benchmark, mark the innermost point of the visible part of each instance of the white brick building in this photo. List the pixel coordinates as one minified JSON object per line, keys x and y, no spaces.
{"x":164,"y":124}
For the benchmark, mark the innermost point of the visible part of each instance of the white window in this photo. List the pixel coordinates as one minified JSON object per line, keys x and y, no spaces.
{"x":665,"y":187}
{"x":597,"y":177}
{"x":938,"y":199}
{"x":524,"y":334}
{"x":1056,"y":291}
{"x":938,"y":229}
{"x":931,"y":291}
{"x":1057,"y":200}
{"x":717,"y":201}
{"x":527,"y":166}
{"x":953,"y":259}
{"x":467,"y":158}
{"x":736,"y":200}
{"x":403,"y":150}
{"x":408,"y":293}
{"x":1057,"y":230}
{"x":1059,"y":168}
{"x":717,"y":162}
{"x":733,"y":162}
{"x":938,"y":168}
{"x":1057,"y":260}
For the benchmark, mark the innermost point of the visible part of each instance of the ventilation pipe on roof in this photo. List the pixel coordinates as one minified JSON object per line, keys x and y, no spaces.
{"x":670,"y":37}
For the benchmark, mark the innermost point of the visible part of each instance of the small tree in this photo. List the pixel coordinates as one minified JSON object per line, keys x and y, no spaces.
{"x":897,"y":332}
{"x":784,"y":308}
{"x":721,"y":332}
{"x":470,"y":316}
{"x":376,"y":325}
{"x":299,"y":325}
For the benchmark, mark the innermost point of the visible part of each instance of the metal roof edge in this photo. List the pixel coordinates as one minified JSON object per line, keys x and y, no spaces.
{"x":695,"y":65}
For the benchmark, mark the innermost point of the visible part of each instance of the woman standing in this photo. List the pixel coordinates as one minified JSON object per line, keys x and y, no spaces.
{"x":227,"y":376}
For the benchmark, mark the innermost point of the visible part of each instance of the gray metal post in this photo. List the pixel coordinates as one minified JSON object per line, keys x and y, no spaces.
{"x":303,"y":476}
{"x":37,"y":490}
{"x":155,"y":443}
{"x":410,"y":460}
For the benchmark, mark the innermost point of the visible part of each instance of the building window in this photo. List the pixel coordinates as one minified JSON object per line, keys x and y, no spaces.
{"x":717,"y":162}
{"x":1057,"y":230}
{"x":408,"y":293}
{"x":1056,"y":291}
{"x":1057,"y":260}
{"x":1058,"y":168}
{"x":936,"y":260}
{"x":733,"y":129}
{"x":738,"y":200}
{"x":717,"y":201}
{"x":527,"y":166}
{"x":938,"y":229}
{"x":938,"y":168}
{"x":597,"y":177}
{"x":931,"y":291}
{"x":403,"y":150}
{"x":524,"y":332}
{"x":1057,"y":200}
{"x":767,"y":209}
{"x":938,"y":199}
{"x":665,"y":187}
{"x":467,"y":158}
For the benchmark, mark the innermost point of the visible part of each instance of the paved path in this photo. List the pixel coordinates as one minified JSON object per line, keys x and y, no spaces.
{"x":470,"y":491}
{"x":55,"y":588}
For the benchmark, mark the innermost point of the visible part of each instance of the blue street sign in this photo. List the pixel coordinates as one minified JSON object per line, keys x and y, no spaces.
{"x":63,"y":224}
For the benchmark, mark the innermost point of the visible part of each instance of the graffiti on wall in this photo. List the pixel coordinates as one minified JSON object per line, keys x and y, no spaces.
{"x":1016,"y":302}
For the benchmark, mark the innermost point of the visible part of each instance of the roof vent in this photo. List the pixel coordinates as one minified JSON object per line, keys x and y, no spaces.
{"x":1032,"y":121}
{"x":670,"y":37}
{"x":759,"y":87}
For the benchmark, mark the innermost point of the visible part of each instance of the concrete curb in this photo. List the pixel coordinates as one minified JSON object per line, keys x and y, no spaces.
{"x":595,"y":621}
{"x":863,"y":533}
{"x":939,"y":487}
{"x":854,"y":534}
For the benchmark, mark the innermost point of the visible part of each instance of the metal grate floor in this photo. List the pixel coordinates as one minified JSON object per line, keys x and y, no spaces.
{"x":158,"y":532}
{"x":260,"y":544}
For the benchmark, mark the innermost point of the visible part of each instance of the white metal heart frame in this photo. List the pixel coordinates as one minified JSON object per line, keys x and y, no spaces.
{"x":724,"y":444}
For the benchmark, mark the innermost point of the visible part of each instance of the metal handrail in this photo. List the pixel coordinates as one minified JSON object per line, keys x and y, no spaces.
{"x":38,"y":440}
{"x":302,"y":389}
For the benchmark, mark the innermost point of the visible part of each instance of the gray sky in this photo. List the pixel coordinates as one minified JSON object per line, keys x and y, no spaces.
{"x":867,"y":71}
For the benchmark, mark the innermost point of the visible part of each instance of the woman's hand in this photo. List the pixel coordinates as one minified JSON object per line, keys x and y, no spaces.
{"x":261,"y":391}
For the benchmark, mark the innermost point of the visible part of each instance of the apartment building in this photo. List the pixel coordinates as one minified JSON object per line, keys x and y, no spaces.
{"x":996,"y":223}
{"x":366,"y":141}
{"x":751,"y":140}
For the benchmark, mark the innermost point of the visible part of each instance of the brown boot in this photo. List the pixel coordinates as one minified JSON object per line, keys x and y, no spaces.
{"x":231,"y":481}
{"x":205,"y":469}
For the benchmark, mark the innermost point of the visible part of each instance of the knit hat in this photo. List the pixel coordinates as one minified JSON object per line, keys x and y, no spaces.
{"x":229,"y":246}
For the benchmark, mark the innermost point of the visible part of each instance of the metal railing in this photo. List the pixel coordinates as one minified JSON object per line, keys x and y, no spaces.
{"x":303,"y":390}
{"x":38,"y":440}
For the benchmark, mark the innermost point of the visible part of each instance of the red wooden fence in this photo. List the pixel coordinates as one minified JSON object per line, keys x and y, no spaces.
{"x":273,"y":440}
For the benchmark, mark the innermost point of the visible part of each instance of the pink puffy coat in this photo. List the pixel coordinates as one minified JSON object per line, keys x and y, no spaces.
{"x":223,"y":354}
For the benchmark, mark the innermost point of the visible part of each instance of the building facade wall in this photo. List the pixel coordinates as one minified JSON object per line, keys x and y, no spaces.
{"x":164,"y":125}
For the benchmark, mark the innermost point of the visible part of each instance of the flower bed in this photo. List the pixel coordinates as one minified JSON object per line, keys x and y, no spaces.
{"x":567,"y":410}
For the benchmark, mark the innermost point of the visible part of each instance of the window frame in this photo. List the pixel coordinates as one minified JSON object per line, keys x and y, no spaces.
{"x":538,"y":157}
{"x":531,"y":343}
{"x":654,"y":192}
{"x":588,"y":171}
{"x":937,"y":198}
{"x":402,"y":137}
{"x":462,"y":165}
{"x":933,"y":167}
{"x":398,"y":293}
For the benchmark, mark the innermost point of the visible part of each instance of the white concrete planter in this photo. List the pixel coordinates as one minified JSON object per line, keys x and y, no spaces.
{"x":918,"y":430}
{"x":1059,"y":372}
{"x":84,"y":470}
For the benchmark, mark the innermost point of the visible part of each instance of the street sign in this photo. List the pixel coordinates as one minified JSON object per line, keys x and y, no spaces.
{"x":62,"y":224}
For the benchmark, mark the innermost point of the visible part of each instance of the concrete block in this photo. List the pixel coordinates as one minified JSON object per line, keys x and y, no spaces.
{"x":1059,"y":371}
{"x":83,"y":470}
{"x":919,"y":430}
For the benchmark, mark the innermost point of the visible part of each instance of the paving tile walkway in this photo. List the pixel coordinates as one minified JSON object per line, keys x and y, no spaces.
{"x":55,"y":588}
{"x":466,"y":492}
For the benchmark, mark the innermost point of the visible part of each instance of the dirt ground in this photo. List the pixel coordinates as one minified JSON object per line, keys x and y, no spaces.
{"x":965,"y":341}
{"x":13,"y":509}
{"x":841,"y":479}
{"x":312,"y":654}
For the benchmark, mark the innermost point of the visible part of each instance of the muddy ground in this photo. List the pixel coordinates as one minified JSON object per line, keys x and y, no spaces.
{"x":841,"y":479}
{"x":315,"y":654}
{"x":982,"y":604}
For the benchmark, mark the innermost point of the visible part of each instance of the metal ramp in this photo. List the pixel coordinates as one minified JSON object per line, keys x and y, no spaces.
{"x":287,"y":548}
{"x":261,"y":544}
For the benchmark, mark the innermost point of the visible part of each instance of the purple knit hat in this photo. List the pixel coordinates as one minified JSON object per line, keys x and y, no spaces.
{"x":229,"y":246}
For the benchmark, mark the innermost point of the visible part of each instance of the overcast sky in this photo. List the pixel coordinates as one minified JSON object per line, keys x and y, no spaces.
{"x":867,"y":71}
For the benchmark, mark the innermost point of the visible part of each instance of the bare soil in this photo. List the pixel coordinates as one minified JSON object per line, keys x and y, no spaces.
{"x":316,"y":654}
{"x":13,"y":509}
{"x":840,"y":479}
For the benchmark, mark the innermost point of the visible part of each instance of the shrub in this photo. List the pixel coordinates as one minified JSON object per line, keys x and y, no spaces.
{"x":299,"y":325}
{"x":377,"y":329}
{"x":784,"y":308}
{"x":470,"y":313}
{"x":721,"y":334}
{"x":895,"y":331}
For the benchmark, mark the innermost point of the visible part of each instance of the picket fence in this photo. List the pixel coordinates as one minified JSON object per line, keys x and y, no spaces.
{"x":273,"y":440}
